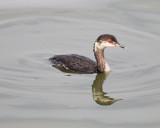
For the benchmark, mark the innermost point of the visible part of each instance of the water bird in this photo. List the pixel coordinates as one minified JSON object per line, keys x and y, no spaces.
{"x":78,"y":63}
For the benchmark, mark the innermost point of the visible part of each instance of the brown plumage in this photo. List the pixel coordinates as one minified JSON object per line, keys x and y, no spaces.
{"x":75,"y":63}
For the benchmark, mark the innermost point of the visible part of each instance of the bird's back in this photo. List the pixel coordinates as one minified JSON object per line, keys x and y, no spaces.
{"x":74,"y":62}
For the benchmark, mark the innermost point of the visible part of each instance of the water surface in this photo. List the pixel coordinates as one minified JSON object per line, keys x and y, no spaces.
{"x":34,"y":94}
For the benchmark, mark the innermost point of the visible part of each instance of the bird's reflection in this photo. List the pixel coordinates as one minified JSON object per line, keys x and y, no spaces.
{"x":97,"y":87}
{"x":97,"y":90}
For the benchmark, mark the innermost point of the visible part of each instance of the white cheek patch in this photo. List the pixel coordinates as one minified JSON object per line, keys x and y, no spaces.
{"x":107,"y":44}
{"x":99,"y":46}
{"x":103,"y":45}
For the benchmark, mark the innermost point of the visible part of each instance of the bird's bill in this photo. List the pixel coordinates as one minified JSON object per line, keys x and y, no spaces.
{"x":120,"y":46}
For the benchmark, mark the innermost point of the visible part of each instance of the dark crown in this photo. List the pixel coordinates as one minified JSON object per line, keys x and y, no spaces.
{"x":106,"y":37}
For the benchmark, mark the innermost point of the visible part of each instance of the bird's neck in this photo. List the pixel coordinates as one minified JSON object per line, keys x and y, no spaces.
{"x":102,"y":64}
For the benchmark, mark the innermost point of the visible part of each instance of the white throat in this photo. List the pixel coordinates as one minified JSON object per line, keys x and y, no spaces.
{"x":107,"y":67}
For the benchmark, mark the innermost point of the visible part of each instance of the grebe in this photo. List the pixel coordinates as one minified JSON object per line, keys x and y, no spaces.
{"x":74,"y":62}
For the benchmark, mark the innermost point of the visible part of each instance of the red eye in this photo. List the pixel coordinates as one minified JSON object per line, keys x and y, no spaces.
{"x":110,"y":41}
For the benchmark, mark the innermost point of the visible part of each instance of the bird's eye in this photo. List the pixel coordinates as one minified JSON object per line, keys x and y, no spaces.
{"x":110,"y":41}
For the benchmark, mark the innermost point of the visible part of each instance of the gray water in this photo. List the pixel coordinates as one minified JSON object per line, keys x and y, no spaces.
{"x":35,"y":94}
